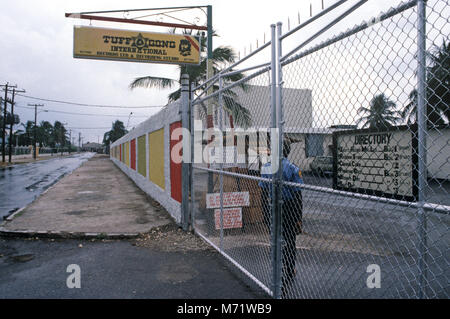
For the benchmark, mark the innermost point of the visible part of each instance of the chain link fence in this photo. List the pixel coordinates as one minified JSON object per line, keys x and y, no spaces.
{"x":227,"y":196}
{"x":358,"y":204}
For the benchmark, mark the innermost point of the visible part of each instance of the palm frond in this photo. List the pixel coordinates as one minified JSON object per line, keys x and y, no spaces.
{"x":363,"y":109}
{"x":152,"y":82}
{"x":223,"y":55}
{"x":241,"y":115}
{"x":174,"y":96}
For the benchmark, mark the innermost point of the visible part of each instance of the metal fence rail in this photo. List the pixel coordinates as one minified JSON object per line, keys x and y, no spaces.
{"x":359,"y":205}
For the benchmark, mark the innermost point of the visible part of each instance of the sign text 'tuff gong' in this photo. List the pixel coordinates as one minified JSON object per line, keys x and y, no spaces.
{"x":135,"y":46}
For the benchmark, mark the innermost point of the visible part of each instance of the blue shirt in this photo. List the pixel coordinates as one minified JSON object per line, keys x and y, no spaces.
{"x":291,"y":173}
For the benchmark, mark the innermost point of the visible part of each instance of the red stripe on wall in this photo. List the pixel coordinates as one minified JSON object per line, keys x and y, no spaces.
{"x":133,"y":154}
{"x":175,"y":168}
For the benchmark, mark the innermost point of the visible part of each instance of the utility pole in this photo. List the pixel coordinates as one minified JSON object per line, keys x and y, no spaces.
{"x":79,"y":142}
{"x":5,"y":102}
{"x":12,"y":122}
{"x":35,"y":127}
{"x":4,"y":124}
{"x":70,"y":140}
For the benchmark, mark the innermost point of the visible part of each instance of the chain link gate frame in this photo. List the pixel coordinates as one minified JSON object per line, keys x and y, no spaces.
{"x":347,"y":235}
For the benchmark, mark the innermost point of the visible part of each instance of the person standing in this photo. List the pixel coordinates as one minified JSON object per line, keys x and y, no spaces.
{"x":292,"y":211}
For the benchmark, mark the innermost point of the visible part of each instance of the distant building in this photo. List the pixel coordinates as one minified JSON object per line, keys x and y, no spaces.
{"x":93,"y":147}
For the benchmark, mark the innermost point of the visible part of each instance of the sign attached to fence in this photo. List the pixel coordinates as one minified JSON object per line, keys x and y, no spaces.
{"x":135,"y":46}
{"x":237,"y":199}
{"x":232,"y":218}
{"x":375,"y":162}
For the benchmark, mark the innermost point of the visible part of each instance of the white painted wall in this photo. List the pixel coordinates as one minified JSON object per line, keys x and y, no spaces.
{"x":162,"y":119}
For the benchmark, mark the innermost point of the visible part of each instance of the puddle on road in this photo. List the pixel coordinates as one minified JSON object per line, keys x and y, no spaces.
{"x":75,"y":212}
{"x":20,"y":258}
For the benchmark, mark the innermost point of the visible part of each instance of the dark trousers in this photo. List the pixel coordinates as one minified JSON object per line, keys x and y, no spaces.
{"x":291,"y":215}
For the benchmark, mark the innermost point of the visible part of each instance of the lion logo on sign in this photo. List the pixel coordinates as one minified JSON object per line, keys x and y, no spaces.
{"x":185,"y":47}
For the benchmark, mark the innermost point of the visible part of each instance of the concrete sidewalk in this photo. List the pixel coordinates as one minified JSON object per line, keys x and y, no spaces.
{"x":97,"y":199}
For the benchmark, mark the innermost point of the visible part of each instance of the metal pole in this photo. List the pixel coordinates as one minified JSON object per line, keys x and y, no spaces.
{"x":186,"y":150}
{"x":133,"y":21}
{"x":275,"y":244}
{"x":209,"y":67}
{"x":280,"y":122}
{"x":221,"y":163}
{"x":191,"y":176}
{"x":210,"y":30}
{"x":4,"y":125}
{"x":422,"y":131}
{"x":209,"y":74}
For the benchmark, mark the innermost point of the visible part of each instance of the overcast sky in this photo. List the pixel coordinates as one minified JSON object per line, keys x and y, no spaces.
{"x":36,"y":46}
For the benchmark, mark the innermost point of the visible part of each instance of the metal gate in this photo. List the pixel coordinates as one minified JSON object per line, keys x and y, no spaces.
{"x":365,"y":116}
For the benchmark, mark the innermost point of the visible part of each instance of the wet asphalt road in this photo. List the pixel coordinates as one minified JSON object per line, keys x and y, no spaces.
{"x":116,"y":269}
{"x":21,"y":184}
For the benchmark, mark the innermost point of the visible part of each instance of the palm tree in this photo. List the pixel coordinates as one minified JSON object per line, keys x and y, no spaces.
{"x":59,"y":133}
{"x":381,"y":113}
{"x":221,"y":57}
{"x":17,"y":135}
{"x":44,"y":133}
{"x":117,"y":131}
{"x":27,"y":137}
{"x":437,"y":89}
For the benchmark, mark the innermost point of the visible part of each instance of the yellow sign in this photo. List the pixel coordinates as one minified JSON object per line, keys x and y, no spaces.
{"x":135,"y":46}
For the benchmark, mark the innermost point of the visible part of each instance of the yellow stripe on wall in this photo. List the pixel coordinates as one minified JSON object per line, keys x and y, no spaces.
{"x":142,"y":156}
{"x":127,"y":158}
{"x":156,"y":157}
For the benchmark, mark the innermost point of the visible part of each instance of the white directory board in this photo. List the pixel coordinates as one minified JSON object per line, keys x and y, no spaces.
{"x":377,"y":162}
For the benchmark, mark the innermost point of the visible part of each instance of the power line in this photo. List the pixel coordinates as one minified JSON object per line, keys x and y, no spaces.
{"x":86,"y":114}
{"x":90,"y":105}
{"x":89,"y":128}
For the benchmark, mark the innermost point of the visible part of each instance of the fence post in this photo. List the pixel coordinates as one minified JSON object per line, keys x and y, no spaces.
{"x":222,"y":160}
{"x":275,"y":211}
{"x":280,"y":126}
{"x":186,"y":152}
{"x":191,"y":175}
{"x":422,"y":131}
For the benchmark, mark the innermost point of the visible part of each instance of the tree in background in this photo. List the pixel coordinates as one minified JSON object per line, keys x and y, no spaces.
{"x":437,"y":89}
{"x":26,"y":138}
{"x":222,"y":56}
{"x":117,"y":131}
{"x":44,"y":134}
{"x":9,"y":120}
{"x":380,"y":114}
{"x":59,"y":134}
